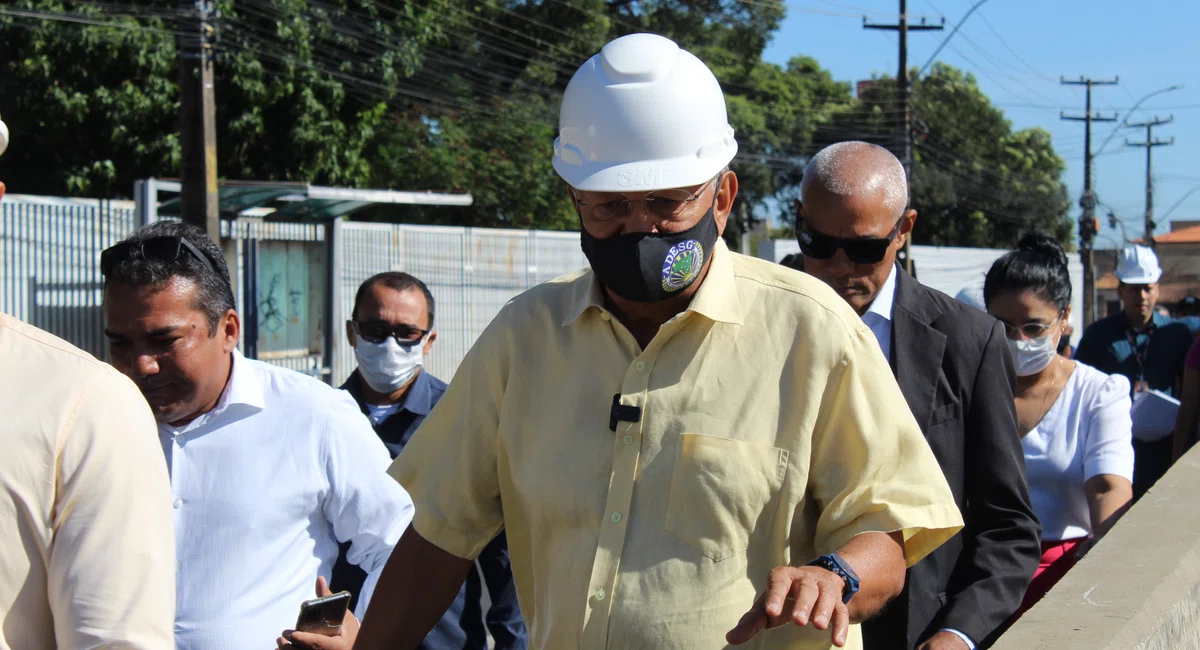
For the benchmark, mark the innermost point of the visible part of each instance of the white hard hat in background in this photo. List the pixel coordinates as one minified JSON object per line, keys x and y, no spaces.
{"x":642,"y":115}
{"x":3,"y":136}
{"x":1138,"y":265}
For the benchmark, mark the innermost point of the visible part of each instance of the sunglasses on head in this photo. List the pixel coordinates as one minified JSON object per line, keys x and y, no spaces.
{"x":165,"y":249}
{"x":864,"y":250}
{"x":377,"y":332}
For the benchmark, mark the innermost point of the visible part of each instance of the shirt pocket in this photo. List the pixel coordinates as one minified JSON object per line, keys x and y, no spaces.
{"x":724,"y":493}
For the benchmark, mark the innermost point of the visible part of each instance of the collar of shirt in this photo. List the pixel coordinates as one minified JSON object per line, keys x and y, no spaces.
{"x":276,"y":475}
{"x":243,"y":396}
{"x":1157,"y":320}
{"x":716,"y":299}
{"x":879,"y":315}
{"x":419,"y":399}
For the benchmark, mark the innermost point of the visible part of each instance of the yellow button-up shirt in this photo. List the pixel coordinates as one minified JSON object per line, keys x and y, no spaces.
{"x":771,"y":431}
{"x":87,"y":540}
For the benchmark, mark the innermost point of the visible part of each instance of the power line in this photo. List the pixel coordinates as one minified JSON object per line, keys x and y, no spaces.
{"x":73,"y":18}
{"x":1063,"y":107}
{"x":987,"y":23}
{"x":992,"y":75}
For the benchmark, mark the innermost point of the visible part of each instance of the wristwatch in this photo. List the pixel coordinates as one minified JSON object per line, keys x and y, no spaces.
{"x":835,"y":563}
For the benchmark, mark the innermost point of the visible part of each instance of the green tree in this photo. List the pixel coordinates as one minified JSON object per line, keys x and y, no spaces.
{"x":91,"y":94}
{"x":776,"y":111}
{"x":86,"y":105}
{"x":975,"y":182}
{"x":443,"y":95}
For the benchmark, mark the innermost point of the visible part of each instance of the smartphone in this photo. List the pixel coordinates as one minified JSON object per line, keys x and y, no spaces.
{"x":324,"y":615}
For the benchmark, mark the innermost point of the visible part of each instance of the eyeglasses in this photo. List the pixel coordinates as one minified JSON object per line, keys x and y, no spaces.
{"x":663,"y":204}
{"x":1028,"y":330}
{"x":377,"y":332}
{"x":865,"y":250}
{"x":165,"y":249}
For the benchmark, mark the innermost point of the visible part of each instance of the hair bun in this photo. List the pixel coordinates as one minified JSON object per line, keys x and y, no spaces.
{"x":1044,"y":245}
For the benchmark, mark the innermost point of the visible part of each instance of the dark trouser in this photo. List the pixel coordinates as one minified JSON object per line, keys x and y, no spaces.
{"x":1151,"y":461}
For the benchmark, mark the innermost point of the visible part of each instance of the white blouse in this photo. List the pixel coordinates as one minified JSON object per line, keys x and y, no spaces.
{"x":1086,"y":432}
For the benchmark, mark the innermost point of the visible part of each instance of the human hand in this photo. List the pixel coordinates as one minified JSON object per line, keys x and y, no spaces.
{"x":814,"y":594}
{"x":944,"y":641}
{"x":293,"y":640}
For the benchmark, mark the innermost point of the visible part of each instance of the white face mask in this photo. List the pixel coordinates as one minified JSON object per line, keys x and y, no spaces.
{"x":1032,"y":356}
{"x":387,"y":366}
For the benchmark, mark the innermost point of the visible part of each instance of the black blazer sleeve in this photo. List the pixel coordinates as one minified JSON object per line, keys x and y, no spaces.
{"x":1002,"y":537}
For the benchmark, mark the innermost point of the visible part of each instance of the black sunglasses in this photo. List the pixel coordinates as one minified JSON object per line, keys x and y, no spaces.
{"x":377,"y":332}
{"x":865,"y":250}
{"x":165,"y":249}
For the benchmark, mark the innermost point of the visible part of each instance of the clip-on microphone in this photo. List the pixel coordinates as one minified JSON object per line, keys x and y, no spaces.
{"x":622,"y":413}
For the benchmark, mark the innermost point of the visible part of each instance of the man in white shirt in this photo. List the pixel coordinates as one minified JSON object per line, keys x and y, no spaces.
{"x":270,"y":469}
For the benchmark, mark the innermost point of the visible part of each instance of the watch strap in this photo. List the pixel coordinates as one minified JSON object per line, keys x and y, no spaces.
{"x":838,"y":566}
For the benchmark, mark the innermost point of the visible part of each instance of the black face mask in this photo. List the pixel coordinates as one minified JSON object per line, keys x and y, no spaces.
{"x":650,"y":267}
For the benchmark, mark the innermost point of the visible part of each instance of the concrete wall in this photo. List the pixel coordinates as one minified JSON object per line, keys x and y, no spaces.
{"x":1138,"y":589}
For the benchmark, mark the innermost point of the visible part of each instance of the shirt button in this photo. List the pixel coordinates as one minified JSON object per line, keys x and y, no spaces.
{"x":627,"y":440}
{"x":178,"y":503}
{"x":641,"y":365}
{"x":604,"y":316}
{"x":600,"y":595}
{"x":616,"y":517}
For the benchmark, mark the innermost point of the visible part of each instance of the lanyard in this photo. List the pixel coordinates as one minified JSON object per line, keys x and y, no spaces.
{"x":1140,"y":350}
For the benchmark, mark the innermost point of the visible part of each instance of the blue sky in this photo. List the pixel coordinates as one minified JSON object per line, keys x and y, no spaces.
{"x":1017,"y":50}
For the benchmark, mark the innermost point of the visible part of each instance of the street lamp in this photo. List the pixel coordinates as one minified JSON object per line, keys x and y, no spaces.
{"x":1130,"y":112}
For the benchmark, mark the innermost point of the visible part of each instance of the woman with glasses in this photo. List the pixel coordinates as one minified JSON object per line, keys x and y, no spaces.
{"x":1073,"y":420}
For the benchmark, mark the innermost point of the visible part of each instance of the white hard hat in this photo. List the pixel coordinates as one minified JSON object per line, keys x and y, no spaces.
{"x":1138,"y":265}
{"x":3,"y":136}
{"x":973,"y":296}
{"x":642,"y":115}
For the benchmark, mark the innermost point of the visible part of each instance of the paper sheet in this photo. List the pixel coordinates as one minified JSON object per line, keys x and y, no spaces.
{"x":1153,"y":415}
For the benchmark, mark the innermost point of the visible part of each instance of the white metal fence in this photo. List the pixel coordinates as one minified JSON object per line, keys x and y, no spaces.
{"x":50,"y":266}
{"x":471,"y":272}
{"x":50,"y":277}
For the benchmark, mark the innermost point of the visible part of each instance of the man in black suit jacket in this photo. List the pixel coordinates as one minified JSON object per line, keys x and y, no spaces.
{"x":953,"y":366}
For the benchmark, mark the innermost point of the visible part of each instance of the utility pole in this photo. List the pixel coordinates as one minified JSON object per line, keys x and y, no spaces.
{"x":197,"y":113}
{"x":1150,"y":144}
{"x":903,"y":145}
{"x":1088,"y":226}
